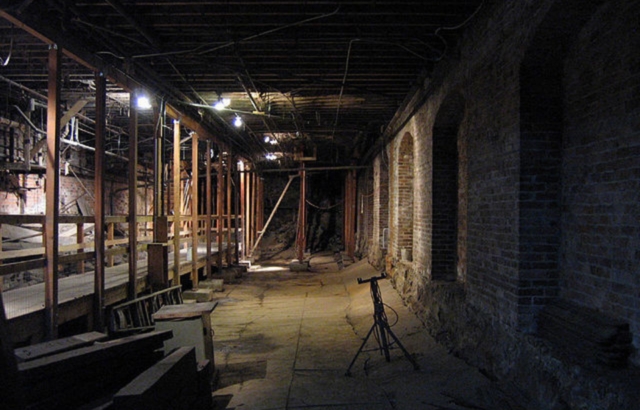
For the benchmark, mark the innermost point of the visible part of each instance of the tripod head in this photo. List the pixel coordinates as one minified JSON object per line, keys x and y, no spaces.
{"x":372,"y":279}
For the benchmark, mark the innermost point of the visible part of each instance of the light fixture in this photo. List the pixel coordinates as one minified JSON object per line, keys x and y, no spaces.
{"x":270,"y":157}
{"x":222,"y":104}
{"x":143,"y":102}
{"x":267,"y":139}
{"x":273,"y":141}
{"x":238,"y":121}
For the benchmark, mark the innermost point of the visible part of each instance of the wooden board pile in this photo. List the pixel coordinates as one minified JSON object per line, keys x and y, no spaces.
{"x":587,"y":334}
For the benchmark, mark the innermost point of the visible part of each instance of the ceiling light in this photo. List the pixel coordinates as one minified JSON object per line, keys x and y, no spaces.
{"x":273,"y":141}
{"x":267,"y":139}
{"x":143,"y":102}
{"x":226,"y":102}
{"x":270,"y":157}
{"x":237,"y":122}
{"x":219,"y":106}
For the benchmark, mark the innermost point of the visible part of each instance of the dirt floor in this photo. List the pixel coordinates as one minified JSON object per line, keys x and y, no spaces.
{"x":284,"y":340}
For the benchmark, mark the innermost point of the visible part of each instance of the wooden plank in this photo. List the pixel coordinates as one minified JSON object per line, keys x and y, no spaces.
{"x":171,"y":384}
{"x":37,"y":351}
{"x":21,"y":219}
{"x":52,"y":187}
{"x":99,"y":241}
{"x":194,"y":209}
{"x":10,"y":388}
{"x":11,"y":268}
{"x":184,"y":311}
{"x":80,"y":241}
{"x":110,"y":235}
{"x":133,"y":195}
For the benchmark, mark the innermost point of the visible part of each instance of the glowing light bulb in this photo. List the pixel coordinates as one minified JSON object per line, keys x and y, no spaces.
{"x":143,"y":102}
{"x":237,"y":122}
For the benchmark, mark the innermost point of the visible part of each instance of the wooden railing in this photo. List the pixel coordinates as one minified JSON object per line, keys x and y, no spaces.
{"x":85,"y":250}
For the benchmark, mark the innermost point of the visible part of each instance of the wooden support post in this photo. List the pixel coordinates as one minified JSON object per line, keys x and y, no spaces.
{"x":236,"y":224}
{"x":1,"y":277}
{"x":219,"y":208}
{"x":99,"y":157}
{"x":79,"y":240}
{"x":110,"y":236}
{"x":194,"y":210}
{"x":158,"y":185}
{"x":229,"y":248}
{"x":133,"y":195}
{"x":252,"y":236}
{"x":302,"y":214}
{"x":243,"y":212}
{"x":52,"y":187}
{"x":177,"y":202}
{"x":207,"y":270}
{"x":350,"y":210}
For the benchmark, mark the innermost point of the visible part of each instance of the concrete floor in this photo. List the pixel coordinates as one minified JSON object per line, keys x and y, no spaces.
{"x":284,"y":340}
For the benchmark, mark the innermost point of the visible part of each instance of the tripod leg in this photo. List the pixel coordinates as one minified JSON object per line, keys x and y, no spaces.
{"x":406,"y":354}
{"x":384,"y":343}
{"x":364,"y":342}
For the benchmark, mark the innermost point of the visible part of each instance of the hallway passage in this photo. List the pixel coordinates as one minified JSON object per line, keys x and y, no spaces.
{"x":283,"y":340}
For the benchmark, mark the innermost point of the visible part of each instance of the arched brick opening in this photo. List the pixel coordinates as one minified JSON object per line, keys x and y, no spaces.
{"x":404,"y":204}
{"x":444,"y":193}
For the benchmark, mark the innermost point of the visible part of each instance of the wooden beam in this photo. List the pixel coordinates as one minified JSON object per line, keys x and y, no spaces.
{"x":219,"y":208}
{"x":208,"y":210}
{"x":158,"y":176}
{"x":177,"y":202}
{"x":52,"y":187}
{"x":133,"y":194}
{"x":194,"y":210}
{"x":236,"y":198}
{"x":302,"y":214}
{"x":229,"y":248}
{"x":80,"y":240}
{"x":99,"y":273}
{"x":243,"y":201}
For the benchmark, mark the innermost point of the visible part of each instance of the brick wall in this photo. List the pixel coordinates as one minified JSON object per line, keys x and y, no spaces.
{"x":116,"y":196}
{"x":547,"y":186}
{"x":403,"y":197}
{"x":600,"y":252}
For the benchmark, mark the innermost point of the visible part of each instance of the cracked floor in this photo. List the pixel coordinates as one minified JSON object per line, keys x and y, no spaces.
{"x":283,"y":340}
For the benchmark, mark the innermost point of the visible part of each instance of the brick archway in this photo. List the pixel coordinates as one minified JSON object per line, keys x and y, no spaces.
{"x":404,"y":198}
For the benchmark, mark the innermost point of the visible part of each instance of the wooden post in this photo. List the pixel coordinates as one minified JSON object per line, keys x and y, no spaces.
{"x":302,"y":214}
{"x":243,"y":215}
{"x":177,"y":202}
{"x":52,"y":187}
{"x":236,"y":224}
{"x":252,"y":236}
{"x":350,"y":210}
{"x":229,"y":248}
{"x":110,"y":236}
{"x":99,"y":158}
{"x":79,"y":240}
{"x":219,"y":210}
{"x":194,"y":210}
{"x":158,"y":191}
{"x":133,"y":184}
{"x":207,"y":270}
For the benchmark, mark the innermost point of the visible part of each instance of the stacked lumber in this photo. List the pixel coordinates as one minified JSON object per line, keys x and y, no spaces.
{"x":586,"y":333}
{"x":174,"y":383}
{"x":69,"y":379}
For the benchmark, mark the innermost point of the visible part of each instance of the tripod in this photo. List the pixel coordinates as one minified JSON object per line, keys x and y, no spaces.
{"x":380,"y":327}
